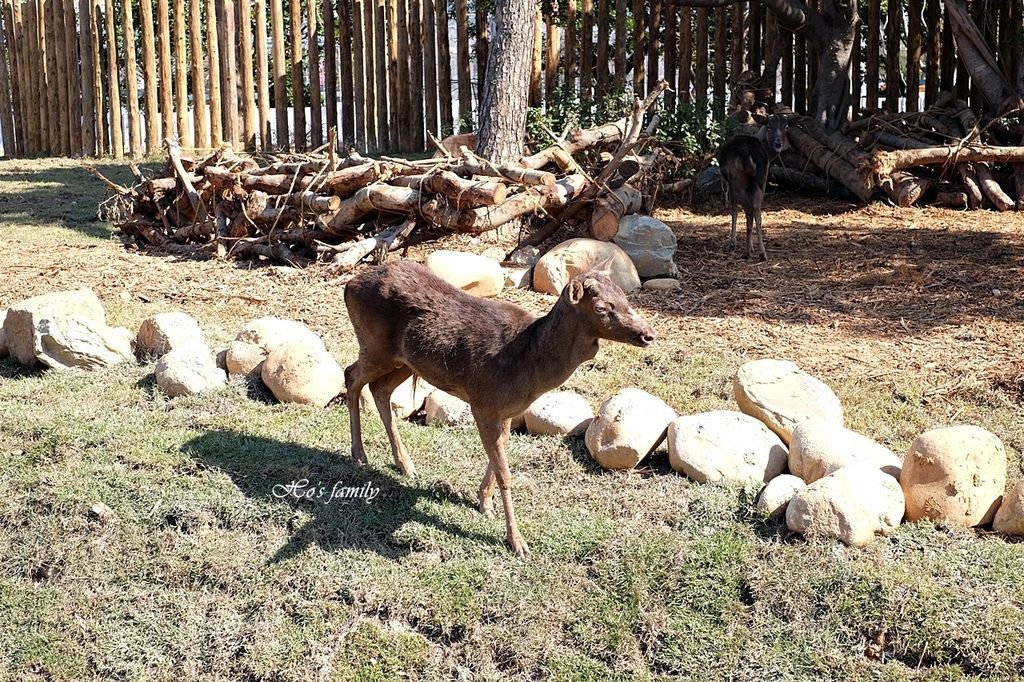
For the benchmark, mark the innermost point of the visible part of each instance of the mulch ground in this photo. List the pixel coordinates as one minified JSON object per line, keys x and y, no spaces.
{"x":869,"y":291}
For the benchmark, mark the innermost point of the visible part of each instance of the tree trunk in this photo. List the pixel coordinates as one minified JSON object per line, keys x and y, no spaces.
{"x":507,"y":86}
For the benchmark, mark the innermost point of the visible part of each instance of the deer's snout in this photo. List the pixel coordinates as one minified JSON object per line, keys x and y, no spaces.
{"x":645,"y":336}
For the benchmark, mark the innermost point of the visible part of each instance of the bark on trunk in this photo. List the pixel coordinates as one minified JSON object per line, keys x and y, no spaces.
{"x":507,"y":87}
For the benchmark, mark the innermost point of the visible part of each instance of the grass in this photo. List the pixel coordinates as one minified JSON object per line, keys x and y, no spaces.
{"x":205,"y":574}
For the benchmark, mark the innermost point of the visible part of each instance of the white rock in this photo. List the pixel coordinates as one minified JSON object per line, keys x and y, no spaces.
{"x":575,"y":256}
{"x":558,"y":413}
{"x":444,"y":409}
{"x":661,"y":284}
{"x":477,"y":275}
{"x":783,"y":396}
{"x":495,"y":253}
{"x":725,"y":447}
{"x":852,"y":504}
{"x":23,"y":318}
{"x":819,"y":448}
{"x":956,"y":474}
{"x":302,"y":372}
{"x":627,"y":428}
{"x":406,"y":400}
{"x":1009,"y":519}
{"x":518,"y":278}
{"x":188,"y":370}
{"x":650,"y":243}
{"x":525,"y":256}
{"x":165,"y":332}
{"x":774,"y":497}
{"x":68,"y":342}
{"x":257,"y":338}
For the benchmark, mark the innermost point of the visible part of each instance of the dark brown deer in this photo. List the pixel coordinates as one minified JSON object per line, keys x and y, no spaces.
{"x":744,"y":161}
{"x":494,"y":355}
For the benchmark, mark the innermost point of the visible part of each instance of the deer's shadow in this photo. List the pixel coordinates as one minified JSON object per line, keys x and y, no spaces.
{"x":331,"y":518}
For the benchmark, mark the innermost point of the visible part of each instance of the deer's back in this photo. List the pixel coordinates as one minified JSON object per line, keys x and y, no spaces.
{"x":405,"y":311}
{"x":744,"y":162}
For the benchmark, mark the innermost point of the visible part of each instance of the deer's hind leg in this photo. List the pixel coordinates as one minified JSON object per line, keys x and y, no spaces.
{"x":382,"y":388}
{"x":357,"y":375}
{"x":485,"y":495}
{"x":732,"y":235}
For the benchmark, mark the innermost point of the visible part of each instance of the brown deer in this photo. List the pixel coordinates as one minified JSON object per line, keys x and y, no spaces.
{"x":495,"y":355}
{"x":744,"y":161}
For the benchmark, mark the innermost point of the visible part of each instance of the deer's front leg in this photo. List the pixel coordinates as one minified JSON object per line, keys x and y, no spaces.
{"x":485,"y":495}
{"x":494,"y":435}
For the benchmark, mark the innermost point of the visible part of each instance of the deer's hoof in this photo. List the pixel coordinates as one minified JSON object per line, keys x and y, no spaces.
{"x":518,"y":546}
{"x":359,"y":458}
{"x":407,"y":468}
{"x":487,"y":507}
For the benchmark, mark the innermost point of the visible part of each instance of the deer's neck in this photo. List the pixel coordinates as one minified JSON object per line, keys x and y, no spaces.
{"x":559,"y":343}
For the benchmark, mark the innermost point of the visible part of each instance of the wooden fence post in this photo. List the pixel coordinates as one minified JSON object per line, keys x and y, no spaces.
{"x":701,"y":81}
{"x":201,"y":137}
{"x":416,"y":72}
{"x":10,"y":144}
{"x":247,"y":88}
{"x":316,"y":122}
{"x":280,"y":77}
{"x":483,"y":47}
{"x":551,"y":63}
{"x":166,"y":92}
{"x":385,"y":138}
{"x":653,"y":44}
{"x":131,"y":82}
{"x":685,"y":53}
{"x":348,"y":128}
{"x":404,"y":102}
{"x":57,"y":66}
{"x":181,"y":69}
{"x":88,"y":91}
{"x":298,"y":86}
{"x":149,"y":77}
{"x":444,"y":71}
{"x":330,"y":66}
{"x":620,"y":45}
{"x":462,"y":59}
{"x":892,"y":56}
{"x":603,"y":29}
{"x":719,"y":105}
{"x":638,"y":41}
{"x":914,"y":42}
{"x":587,"y":58}
{"x":359,"y":74}
{"x":430,"y":66}
{"x":536,"y":96}
{"x":373,"y":39}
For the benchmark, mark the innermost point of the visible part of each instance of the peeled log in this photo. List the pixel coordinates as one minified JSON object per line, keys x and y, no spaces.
{"x":461,"y":193}
{"x":311,"y":201}
{"x":386,"y":198}
{"x":524,"y":176}
{"x":883,"y":163}
{"x":530,"y":200}
{"x":609,"y":210}
{"x":578,"y":141}
{"x":992,"y":189}
{"x":971,"y":184}
{"x":346,"y":181}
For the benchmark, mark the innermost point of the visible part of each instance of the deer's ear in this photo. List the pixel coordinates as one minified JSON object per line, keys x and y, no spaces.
{"x":575,"y":291}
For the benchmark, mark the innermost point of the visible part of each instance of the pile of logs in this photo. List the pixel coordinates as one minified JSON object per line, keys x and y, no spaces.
{"x":322,"y":207}
{"x":943,"y":156}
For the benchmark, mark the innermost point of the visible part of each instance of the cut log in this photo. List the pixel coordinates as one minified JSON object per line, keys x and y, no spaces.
{"x":345,"y":182}
{"x":311,"y":201}
{"x":971,"y":184}
{"x":951,"y":199}
{"x":834,"y":165}
{"x":609,"y":210}
{"x":461,"y":193}
{"x":471,"y":165}
{"x":385,"y":198}
{"x":991,"y":188}
{"x":387,"y":240}
{"x":577,"y":141}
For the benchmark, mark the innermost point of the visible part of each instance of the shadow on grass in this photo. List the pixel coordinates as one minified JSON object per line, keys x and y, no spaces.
{"x":58,"y":191}
{"x":12,"y":369}
{"x":264,"y":470}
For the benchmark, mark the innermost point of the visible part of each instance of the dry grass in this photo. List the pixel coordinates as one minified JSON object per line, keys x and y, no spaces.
{"x":203,"y":574}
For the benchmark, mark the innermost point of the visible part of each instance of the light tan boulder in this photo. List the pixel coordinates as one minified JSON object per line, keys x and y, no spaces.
{"x":22,"y":319}
{"x":819,"y":448}
{"x":302,"y":372}
{"x":627,"y":428}
{"x":63,"y":342}
{"x":774,"y":497}
{"x":242,"y":357}
{"x":189,"y":370}
{"x":661,"y":284}
{"x":725,"y":447}
{"x":1009,"y":519}
{"x":650,"y":243}
{"x":955,"y":474}
{"x":260,"y":336}
{"x":406,"y":400}
{"x":575,"y":256}
{"x":477,"y":275}
{"x":558,"y":413}
{"x":518,"y":278}
{"x":165,"y":332}
{"x":444,"y":409}
{"x":852,"y":504}
{"x":783,"y":396}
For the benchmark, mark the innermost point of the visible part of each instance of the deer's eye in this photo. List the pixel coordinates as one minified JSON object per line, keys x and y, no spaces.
{"x":600,"y":309}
